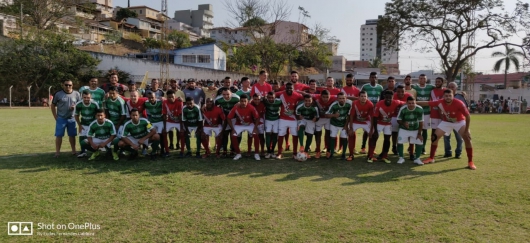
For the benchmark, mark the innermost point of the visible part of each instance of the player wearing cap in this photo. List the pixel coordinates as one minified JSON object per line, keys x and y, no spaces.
{"x":410,"y":119}
{"x":360,"y":118}
{"x":86,"y":109}
{"x":210,"y":91}
{"x":101,"y":133}
{"x":246,"y":119}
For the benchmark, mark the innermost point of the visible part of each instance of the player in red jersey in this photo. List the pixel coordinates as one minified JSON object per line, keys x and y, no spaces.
{"x":350,"y":89}
{"x":261,"y":87}
{"x":135,"y":102}
{"x":288,"y":121}
{"x":171,"y":111}
{"x":455,"y":116}
{"x":213,"y":120}
{"x":260,"y":108}
{"x":382,"y":122}
{"x":400,"y":95}
{"x":323,"y":101}
{"x":360,"y":116}
{"x":436,"y":94}
{"x":330,"y":87}
{"x":312,"y":87}
{"x":297,"y":86}
{"x":247,"y":119}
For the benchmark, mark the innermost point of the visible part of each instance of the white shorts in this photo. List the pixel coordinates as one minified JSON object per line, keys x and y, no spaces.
{"x":426,"y":122}
{"x":301,"y":122}
{"x":171,"y":125}
{"x":241,"y":128}
{"x":335,"y":130}
{"x":228,"y":126}
{"x":84,"y":131}
{"x":120,"y":131}
{"x":365,"y":127}
{"x":135,"y":141}
{"x":386,"y":129}
{"x":309,"y":126}
{"x":395,"y":124}
{"x":99,"y":141}
{"x":159,"y":126}
{"x":448,"y":127}
{"x":435,"y":122}
{"x":322,"y":122}
{"x":407,"y":136}
{"x":215,"y":130}
{"x":272,"y":126}
{"x":261,"y":128}
{"x":287,"y":124}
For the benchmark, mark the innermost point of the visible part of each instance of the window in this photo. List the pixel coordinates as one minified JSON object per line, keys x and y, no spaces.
{"x":363,"y":39}
{"x":246,"y":40}
{"x":189,"y":59}
{"x":362,"y":55}
{"x":384,"y":54}
{"x":203,"y":58}
{"x":363,"y":28}
{"x":363,"y":33}
{"x":371,"y":28}
{"x":220,"y":31}
{"x":229,"y":41}
{"x":362,"y":50}
{"x":140,"y":11}
{"x":371,"y":43}
{"x":236,"y":31}
{"x":363,"y":44}
{"x":370,"y":60}
{"x":371,"y":33}
{"x":371,"y":38}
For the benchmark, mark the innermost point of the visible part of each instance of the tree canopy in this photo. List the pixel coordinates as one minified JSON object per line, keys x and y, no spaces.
{"x":124,"y":13}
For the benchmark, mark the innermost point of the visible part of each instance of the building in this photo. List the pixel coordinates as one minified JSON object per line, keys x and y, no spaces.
{"x":287,"y":32}
{"x":372,"y":45}
{"x":204,"y":56}
{"x":105,"y":7}
{"x":284,"y":32}
{"x":201,"y":20}
{"x":146,"y":28}
{"x":233,"y":36}
{"x":193,"y":32}
{"x":8,"y":24}
{"x":338,"y":63}
{"x":491,"y":86}
{"x":332,"y":48}
{"x":362,"y":66}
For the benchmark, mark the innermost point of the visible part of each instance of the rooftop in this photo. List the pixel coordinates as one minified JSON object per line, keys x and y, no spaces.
{"x":499,"y":78}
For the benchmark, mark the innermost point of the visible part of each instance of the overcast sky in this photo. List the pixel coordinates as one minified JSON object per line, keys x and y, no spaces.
{"x":343,"y":18}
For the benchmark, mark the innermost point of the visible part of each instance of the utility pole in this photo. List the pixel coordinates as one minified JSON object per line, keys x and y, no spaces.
{"x":21,"y":19}
{"x":163,"y":52}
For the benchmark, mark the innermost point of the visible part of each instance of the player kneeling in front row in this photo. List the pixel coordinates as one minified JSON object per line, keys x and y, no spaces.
{"x":101,"y":134}
{"x":410,"y":120}
{"x":139,"y":131}
{"x":213,"y":117}
{"x":247,"y":119}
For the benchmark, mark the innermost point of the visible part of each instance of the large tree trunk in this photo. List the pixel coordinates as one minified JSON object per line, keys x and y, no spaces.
{"x":505,"y":78}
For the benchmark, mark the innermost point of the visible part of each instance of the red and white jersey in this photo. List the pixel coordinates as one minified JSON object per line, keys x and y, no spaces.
{"x":404,"y":99}
{"x":244,"y":116}
{"x":361,"y":113}
{"x":453,"y":112}
{"x":260,"y":89}
{"x":214,"y":117}
{"x":351,"y":91}
{"x":172,"y":110}
{"x":436,"y":94}
{"x":332,"y":91}
{"x":297,"y":87}
{"x":323,"y":107}
{"x":138,"y":105}
{"x":385,"y":113}
{"x":289,"y":103}
{"x":260,"y":108}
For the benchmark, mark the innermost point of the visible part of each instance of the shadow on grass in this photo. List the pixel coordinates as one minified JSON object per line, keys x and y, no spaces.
{"x":358,"y":171}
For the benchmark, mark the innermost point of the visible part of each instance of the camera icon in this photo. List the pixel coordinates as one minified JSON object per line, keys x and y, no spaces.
{"x":20,"y":228}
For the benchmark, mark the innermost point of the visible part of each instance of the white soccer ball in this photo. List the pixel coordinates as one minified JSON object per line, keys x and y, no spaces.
{"x":301,"y":156}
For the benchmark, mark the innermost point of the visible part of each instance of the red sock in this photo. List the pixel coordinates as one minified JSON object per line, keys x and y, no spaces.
{"x":411,"y":149}
{"x":469,"y":152}
{"x":166,"y":146}
{"x":295,"y":143}
{"x":287,"y":139}
{"x":351,"y":143}
{"x":218,"y":142}
{"x":182,"y":142}
{"x":235,"y":142}
{"x":205,"y":142}
{"x":280,"y":144}
{"x":371,"y":151}
{"x":256,"y":143}
{"x":433,"y":151}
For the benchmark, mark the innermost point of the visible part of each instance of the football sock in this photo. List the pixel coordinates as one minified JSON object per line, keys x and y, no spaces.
{"x":81,"y":141}
{"x":351,"y":143}
{"x":295,"y":143}
{"x":268,"y":142}
{"x":433,"y":151}
{"x":365,"y":138}
{"x":249,"y":142}
{"x":115,"y":144}
{"x":469,"y":152}
{"x":274,"y":142}
{"x":256,"y":143}
{"x":198,"y":143}
{"x":262,"y":142}
{"x":419,"y":149}
{"x":386,"y":146}
{"x":400,"y":150}
{"x":235,"y":144}
{"x":424,"y":135}
{"x":154,"y":145}
{"x":188,"y":144}
{"x":331,"y":145}
{"x":308,"y":142}
{"x":344,"y":142}
{"x":301,"y":132}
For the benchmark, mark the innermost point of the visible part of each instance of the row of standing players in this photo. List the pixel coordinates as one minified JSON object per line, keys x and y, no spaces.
{"x":267,"y":118}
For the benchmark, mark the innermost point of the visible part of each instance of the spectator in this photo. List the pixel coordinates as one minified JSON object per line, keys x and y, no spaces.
{"x":62,"y":108}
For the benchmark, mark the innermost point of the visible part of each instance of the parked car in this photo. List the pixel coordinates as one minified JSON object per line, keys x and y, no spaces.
{"x":105,"y":42}
{"x":90,"y":42}
{"x":78,"y":42}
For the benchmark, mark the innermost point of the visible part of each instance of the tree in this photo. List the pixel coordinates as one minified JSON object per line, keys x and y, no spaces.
{"x":448,"y":27}
{"x":124,"y":13}
{"x":179,"y":39}
{"x":43,"y":59}
{"x":151,"y":43}
{"x":255,"y":22}
{"x":508,"y":57}
{"x":204,"y":40}
{"x":377,"y":63}
{"x":42,"y":14}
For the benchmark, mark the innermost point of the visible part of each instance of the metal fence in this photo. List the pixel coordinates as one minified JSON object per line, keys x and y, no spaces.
{"x":7,"y":99}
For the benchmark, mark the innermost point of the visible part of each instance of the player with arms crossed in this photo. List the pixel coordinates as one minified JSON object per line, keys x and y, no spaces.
{"x":360,"y":116}
{"x":101,"y":134}
{"x":87,"y":110}
{"x":136,"y":132}
{"x":308,"y":114}
{"x":410,"y":119}
{"x":213,"y":120}
{"x":454,"y":116}
{"x":247,"y":119}
{"x":192,"y":120}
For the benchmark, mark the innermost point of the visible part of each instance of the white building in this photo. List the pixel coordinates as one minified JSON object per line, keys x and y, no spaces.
{"x":8,"y":24}
{"x":201,"y":20}
{"x":204,"y":56}
{"x":284,"y":32}
{"x":338,"y":63}
{"x":372,"y":46}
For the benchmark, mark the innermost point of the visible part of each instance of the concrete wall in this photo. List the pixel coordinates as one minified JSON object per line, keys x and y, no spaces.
{"x":478,"y":94}
{"x":137,"y":68}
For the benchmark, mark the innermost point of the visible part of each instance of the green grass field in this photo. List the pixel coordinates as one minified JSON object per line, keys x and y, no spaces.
{"x":189,"y":200}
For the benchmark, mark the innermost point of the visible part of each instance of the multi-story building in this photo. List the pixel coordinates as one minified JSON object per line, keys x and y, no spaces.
{"x":373,"y":46}
{"x":201,"y":20}
{"x":233,"y":36}
{"x":205,"y":56}
{"x":148,"y":13}
{"x":8,"y":24}
{"x":105,"y":7}
{"x":284,"y":32}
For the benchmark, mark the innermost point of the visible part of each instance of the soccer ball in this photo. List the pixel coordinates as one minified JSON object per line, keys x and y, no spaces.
{"x":301,"y":156}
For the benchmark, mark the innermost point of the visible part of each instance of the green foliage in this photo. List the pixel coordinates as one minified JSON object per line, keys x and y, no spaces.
{"x":152,"y":43}
{"x":132,"y":36}
{"x":205,"y":40}
{"x":113,"y":36}
{"x":179,"y":39}
{"x":43,"y":14}
{"x":315,"y":55}
{"x":255,"y":22}
{"x":42,"y":59}
{"x":507,"y":58}
{"x":124,"y":13}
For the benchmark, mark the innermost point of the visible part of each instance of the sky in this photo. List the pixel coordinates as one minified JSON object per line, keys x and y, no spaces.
{"x":344,"y":19}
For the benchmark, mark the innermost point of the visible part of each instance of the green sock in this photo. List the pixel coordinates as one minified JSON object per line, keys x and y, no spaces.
{"x":154,"y":145}
{"x":301,"y":132}
{"x":115,"y":144}
{"x":268,"y":142}
{"x":331,"y":143}
{"x":188,"y":144}
{"x":309,"y":141}
{"x":424,"y":135}
{"x":198,"y":142}
{"x":344,"y":142}
{"x":274,"y":142}
{"x":419,"y":149}
{"x":400,"y":150}
{"x":81,"y":142}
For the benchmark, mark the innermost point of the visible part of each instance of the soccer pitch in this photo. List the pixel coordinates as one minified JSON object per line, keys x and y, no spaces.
{"x":195,"y":200}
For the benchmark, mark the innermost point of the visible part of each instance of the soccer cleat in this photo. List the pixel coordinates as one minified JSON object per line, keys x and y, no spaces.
{"x":115,"y":156}
{"x":204,"y":156}
{"x":447,"y":155}
{"x":317,"y":155}
{"x":82,"y":155}
{"x":171,"y":147}
{"x":418,"y":161}
{"x":363,"y":151}
{"x":457,"y":156}
{"x":370,"y":160}
{"x":267,"y":156}
{"x":198,"y":155}
{"x":356,"y":152}
{"x":427,"y":161}
{"x":94,"y":155}
{"x":350,"y":158}
{"x":386,"y":160}
{"x":471,"y":166}
{"x":328,"y":155}
{"x":401,"y":160}
{"x":279,"y":156}
{"x":238,"y":156}
{"x":256,"y":157}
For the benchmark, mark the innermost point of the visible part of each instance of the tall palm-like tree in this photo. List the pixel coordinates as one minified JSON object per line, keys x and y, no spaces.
{"x":378,"y":63}
{"x":508,"y":57}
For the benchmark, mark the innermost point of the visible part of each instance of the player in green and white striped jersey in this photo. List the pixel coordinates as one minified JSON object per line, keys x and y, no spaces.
{"x":192,"y":120}
{"x":373,"y":91}
{"x":272,"y":122}
{"x":97,"y":94}
{"x":115,"y":108}
{"x":101,"y":133}
{"x":226,"y":101}
{"x":410,"y":119}
{"x":423,"y":91}
{"x":307,"y":115}
{"x":136,"y":132}
{"x":87,"y":110}
{"x":339,"y":114}
{"x":153,"y":108}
